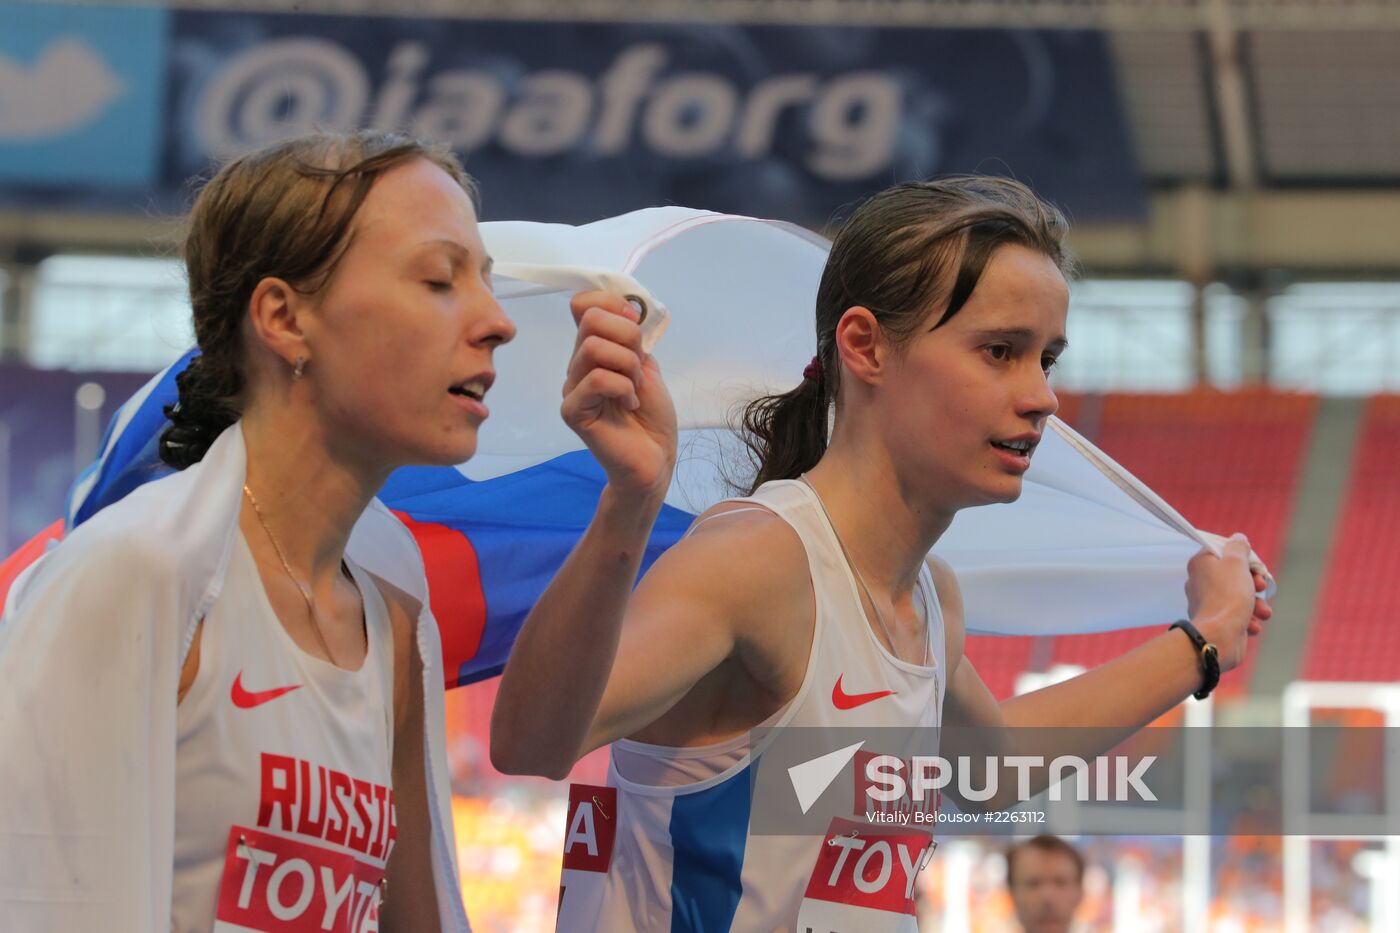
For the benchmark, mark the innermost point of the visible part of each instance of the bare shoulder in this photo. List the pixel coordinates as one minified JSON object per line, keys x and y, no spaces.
{"x":740,"y":520}
{"x":733,"y":602}
{"x":744,"y":561}
{"x":741,"y":568}
{"x":404,"y":610}
{"x":943,"y":577}
{"x":951,"y":602}
{"x":403,"y":607}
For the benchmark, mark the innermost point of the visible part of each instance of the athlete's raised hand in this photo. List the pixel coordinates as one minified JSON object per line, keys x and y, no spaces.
{"x":1223,"y":593}
{"x":614,"y":398}
{"x":615,"y":401}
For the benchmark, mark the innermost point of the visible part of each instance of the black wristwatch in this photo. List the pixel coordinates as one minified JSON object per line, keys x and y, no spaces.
{"x":1210,"y":658}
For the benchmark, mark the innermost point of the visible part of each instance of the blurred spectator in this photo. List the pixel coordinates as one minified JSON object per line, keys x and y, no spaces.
{"x":1045,"y":876}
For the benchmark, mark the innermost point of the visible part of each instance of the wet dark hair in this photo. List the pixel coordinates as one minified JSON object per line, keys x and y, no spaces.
{"x":1047,"y":844}
{"x":284,"y":211}
{"x":903,"y":254}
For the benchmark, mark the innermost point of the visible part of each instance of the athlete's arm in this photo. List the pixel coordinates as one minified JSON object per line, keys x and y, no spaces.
{"x":728,"y":590}
{"x":1130,"y":691}
{"x":410,"y":897}
{"x":1101,"y":707}
{"x":616,"y":402}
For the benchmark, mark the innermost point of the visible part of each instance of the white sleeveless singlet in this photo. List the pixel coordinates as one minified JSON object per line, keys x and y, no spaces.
{"x":284,"y":812}
{"x":666,"y":846}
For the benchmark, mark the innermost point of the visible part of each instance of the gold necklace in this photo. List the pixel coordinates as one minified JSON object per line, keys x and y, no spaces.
{"x":894,"y":649}
{"x":303,"y":589}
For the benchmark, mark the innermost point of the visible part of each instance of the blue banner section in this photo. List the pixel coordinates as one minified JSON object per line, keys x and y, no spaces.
{"x":82,"y":94}
{"x":574,"y":121}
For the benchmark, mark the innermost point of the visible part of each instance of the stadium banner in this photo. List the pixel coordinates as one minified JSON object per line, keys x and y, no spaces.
{"x":82,"y":100}
{"x":562,"y":121}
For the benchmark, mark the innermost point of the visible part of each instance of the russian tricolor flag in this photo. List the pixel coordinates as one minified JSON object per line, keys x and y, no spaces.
{"x":1087,"y":547}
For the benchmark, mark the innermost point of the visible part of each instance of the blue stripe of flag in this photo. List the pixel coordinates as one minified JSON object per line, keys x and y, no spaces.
{"x":132,"y":459}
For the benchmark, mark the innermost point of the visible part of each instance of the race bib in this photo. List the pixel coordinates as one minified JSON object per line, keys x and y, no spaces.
{"x":864,"y":880}
{"x":274,"y":884}
{"x":590,"y":830}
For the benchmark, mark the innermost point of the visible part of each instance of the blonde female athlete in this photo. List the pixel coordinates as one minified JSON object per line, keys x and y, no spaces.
{"x":813,"y":601}
{"x":220,"y":702}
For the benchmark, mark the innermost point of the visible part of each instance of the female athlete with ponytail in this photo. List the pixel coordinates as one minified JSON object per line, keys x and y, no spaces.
{"x":813,"y":602}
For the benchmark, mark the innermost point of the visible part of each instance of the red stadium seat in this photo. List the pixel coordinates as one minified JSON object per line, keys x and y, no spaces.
{"x":1227,"y":461}
{"x":1356,"y":632}
{"x":999,"y":661}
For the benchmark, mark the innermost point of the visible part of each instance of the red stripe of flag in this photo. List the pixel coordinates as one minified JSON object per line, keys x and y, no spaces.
{"x":27,"y":554}
{"x":454,"y":590}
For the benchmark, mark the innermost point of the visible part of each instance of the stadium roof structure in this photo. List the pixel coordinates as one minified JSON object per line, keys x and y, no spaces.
{"x":1264,"y":129}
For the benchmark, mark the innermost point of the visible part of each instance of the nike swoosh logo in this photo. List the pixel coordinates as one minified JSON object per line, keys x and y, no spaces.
{"x":247,"y":699}
{"x":843,"y":700}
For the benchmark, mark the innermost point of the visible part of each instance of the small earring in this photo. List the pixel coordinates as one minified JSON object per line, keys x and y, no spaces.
{"x":299,"y":368}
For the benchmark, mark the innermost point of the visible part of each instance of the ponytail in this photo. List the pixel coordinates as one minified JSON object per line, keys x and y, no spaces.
{"x":786,"y":433}
{"x":208,"y":403}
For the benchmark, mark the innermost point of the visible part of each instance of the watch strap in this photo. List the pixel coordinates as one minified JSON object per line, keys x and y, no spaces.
{"x":1208,"y":655}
